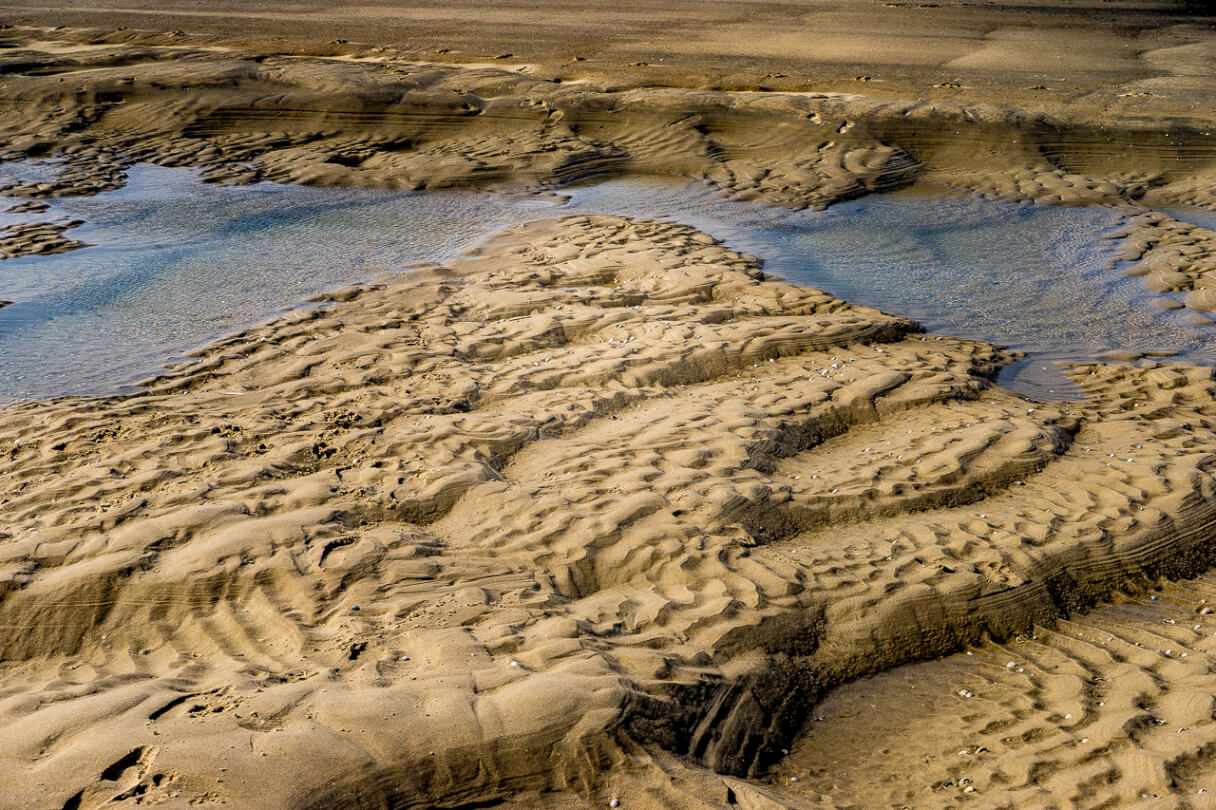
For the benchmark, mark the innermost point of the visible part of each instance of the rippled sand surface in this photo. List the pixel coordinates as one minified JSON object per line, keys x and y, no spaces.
{"x":1113,"y":708}
{"x":598,"y":508}
{"x":608,"y":513}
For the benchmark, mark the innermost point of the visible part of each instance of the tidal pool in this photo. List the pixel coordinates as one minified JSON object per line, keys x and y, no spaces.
{"x":174,"y":263}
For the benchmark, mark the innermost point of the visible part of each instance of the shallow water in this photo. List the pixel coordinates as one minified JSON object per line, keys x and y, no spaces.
{"x":1191,"y":214}
{"x":174,"y":263}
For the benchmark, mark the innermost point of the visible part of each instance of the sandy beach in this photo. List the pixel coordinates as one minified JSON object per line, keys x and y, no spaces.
{"x":600,"y":513}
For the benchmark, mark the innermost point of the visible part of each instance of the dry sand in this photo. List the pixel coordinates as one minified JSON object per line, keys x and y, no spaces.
{"x":1110,"y":709}
{"x":505,"y":525}
{"x":601,"y":513}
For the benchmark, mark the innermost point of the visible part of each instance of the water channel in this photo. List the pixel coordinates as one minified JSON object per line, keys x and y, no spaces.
{"x":173,"y":263}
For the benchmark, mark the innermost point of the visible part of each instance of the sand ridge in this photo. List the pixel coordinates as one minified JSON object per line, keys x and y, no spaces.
{"x":575,"y":513}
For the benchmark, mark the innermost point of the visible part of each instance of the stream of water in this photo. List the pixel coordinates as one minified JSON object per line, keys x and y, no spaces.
{"x":174,"y":263}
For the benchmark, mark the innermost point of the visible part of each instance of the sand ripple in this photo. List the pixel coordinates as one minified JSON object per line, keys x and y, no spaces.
{"x":597,"y":509}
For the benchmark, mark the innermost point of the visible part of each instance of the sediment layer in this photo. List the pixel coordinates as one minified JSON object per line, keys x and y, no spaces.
{"x":599,"y":510}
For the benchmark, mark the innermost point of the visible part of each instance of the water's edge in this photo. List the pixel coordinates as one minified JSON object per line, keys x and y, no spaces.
{"x":175,"y":264}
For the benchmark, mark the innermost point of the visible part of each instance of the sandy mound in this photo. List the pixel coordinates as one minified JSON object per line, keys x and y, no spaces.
{"x":592,"y":510}
{"x":1172,"y":256}
{"x":40,"y":238}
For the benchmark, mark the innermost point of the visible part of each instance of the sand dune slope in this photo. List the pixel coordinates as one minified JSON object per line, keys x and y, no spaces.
{"x":598,"y":509}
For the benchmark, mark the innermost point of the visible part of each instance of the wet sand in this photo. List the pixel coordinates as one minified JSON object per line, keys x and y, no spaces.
{"x":599,"y":514}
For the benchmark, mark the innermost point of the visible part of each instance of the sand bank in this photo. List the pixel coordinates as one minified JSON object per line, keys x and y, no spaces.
{"x":597,"y":510}
{"x":601,"y":512}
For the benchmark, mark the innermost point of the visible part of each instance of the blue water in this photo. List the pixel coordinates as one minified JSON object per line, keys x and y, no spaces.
{"x":174,"y":263}
{"x":1191,"y":214}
